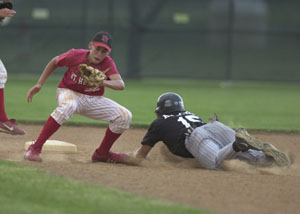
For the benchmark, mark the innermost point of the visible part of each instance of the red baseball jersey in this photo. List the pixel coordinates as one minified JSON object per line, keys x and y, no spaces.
{"x":72,"y":79}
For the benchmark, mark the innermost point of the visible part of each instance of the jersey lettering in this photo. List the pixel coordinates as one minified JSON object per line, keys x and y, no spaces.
{"x":93,"y":89}
{"x":193,"y":118}
{"x":184,"y":122}
{"x":166,"y":116}
{"x":80,"y":81}
{"x":187,"y":120}
{"x":73,"y":77}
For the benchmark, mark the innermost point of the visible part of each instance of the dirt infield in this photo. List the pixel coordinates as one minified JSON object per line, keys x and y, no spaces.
{"x":244,"y":189}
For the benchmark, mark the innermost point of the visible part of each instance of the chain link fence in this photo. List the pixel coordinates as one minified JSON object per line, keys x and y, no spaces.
{"x":205,"y":39}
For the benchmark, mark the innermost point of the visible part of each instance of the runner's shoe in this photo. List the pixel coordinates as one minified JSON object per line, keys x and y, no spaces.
{"x":111,"y":157}
{"x":245,"y":141}
{"x":280,"y":158}
{"x":32,"y":154}
{"x":10,"y":127}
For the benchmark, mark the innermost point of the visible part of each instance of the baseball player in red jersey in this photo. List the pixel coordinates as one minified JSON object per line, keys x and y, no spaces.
{"x":75,"y":97}
{"x":6,"y":125}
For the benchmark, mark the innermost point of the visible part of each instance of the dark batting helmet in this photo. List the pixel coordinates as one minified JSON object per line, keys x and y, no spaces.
{"x":169,"y":102}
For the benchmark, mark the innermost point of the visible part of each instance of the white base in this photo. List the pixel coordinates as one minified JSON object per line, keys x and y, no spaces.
{"x":55,"y":145}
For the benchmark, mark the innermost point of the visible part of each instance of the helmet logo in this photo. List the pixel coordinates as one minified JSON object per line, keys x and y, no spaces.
{"x":168,"y":103}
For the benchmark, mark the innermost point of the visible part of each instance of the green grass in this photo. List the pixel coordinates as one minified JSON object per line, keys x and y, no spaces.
{"x":29,"y":190}
{"x":254,"y":105}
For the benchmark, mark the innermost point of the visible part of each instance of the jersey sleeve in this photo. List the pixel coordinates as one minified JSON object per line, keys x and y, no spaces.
{"x":152,"y":136}
{"x":109,"y":63}
{"x":65,"y":58}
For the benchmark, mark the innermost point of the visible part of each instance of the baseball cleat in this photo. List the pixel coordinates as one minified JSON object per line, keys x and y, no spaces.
{"x":245,"y":141}
{"x":10,"y":127}
{"x":280,"y":158}
{"x":111,"y":157}
{"x":32,"y":154}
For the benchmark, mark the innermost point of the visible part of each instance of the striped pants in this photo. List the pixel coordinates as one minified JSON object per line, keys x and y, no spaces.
{"x":94,"y":107}
{"x":212,"y":143}
{"x":3,"y":75}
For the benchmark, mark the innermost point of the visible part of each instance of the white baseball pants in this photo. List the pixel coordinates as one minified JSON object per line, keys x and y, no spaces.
{"x":212,"y":143}
{"x":3,"y":75}
{"x":94,"y":107}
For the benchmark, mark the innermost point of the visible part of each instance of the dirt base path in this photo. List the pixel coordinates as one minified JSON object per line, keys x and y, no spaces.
{"x":244,"y":189}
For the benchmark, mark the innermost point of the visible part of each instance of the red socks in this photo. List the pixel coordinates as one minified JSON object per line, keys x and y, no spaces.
{"x":50,"y":127}
{"x":3,"y":116}
{"x":107,"y":142}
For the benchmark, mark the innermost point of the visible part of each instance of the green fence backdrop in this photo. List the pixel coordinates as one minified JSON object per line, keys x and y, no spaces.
{"x":205,"y":39}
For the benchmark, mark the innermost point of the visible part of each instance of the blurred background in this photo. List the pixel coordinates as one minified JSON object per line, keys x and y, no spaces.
{"x":205,"y":39}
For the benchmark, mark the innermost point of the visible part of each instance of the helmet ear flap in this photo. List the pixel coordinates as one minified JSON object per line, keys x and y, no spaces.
{"x":156,"y":110}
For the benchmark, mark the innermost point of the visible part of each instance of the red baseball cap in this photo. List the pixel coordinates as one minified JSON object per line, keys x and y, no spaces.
{"x":103,"y":39}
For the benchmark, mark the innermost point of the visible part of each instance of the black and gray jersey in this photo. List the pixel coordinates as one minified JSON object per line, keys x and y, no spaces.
{"x":172,"y":130}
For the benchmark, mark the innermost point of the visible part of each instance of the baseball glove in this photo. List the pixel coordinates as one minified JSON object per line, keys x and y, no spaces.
{"x":92,"y":76}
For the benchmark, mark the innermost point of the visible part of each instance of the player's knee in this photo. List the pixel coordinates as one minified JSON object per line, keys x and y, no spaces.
{"x":3,"y":79}
{"x":123,"y":121}
{"x":64,"y":112}
{"x":126,"y":118}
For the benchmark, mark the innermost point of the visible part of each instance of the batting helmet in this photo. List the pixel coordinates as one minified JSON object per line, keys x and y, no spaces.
{"x":169,"y":102}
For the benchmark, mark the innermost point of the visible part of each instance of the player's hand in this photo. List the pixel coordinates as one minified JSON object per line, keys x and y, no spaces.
{"x":35,"y":89}
{"x":5,"y":12}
